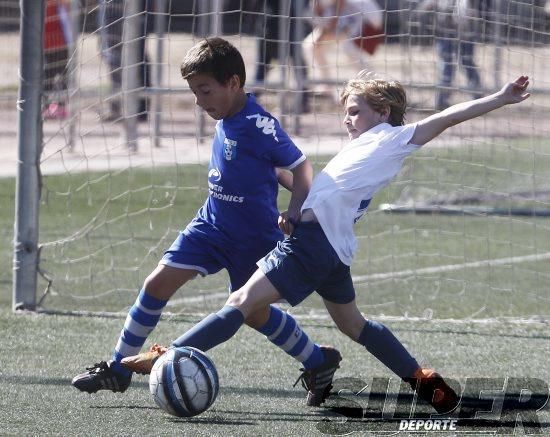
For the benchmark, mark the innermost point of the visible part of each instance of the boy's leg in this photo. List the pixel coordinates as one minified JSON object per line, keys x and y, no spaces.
{"x":280,"y":328}
{"x":141,"y":320}
{"x":219,"y":327}
{"x":285,"y":274}
{"x":466,"y":56}
{"x":283,"y":331}
{"x":145,"y":314}
{"x":380,"y":342}
{"x":256,"y":294}
{"x":376,"y":338}
{"x":214,"y":329}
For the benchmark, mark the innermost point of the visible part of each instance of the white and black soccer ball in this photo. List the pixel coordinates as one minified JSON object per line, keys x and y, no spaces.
{"x":184,"y":382}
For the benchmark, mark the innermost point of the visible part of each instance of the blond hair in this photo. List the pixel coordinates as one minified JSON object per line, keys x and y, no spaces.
{"x":380,"y":95}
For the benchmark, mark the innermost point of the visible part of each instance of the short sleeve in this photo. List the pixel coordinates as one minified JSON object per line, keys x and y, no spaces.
{"x":399,"y":137}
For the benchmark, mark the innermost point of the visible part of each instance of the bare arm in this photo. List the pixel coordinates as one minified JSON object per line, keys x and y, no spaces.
{"x":431,"y":127}
{"x":302,"y":176}
{"x":284,"y":177}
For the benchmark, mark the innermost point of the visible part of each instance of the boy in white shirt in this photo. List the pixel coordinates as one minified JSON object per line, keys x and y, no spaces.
{"x":318,"y":253}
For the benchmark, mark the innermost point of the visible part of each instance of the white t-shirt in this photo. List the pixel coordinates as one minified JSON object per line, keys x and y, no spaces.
{"x":340,"y":193}
{"x":352,"y":15}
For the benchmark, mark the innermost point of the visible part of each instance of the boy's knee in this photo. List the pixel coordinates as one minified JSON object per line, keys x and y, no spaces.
{"x":164,"y":281}
{"x":237,"y":299}
{"x":352,"y":328}
{"x":244,"y":301}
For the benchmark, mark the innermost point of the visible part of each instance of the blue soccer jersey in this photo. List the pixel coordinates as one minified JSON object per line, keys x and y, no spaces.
{"x":241,"y":208}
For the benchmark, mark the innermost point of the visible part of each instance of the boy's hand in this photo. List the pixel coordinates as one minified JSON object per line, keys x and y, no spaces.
{"x":286,"y":223}
{"x":514,"y":92}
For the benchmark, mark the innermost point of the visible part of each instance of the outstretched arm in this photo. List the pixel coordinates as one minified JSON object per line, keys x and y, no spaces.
{"x":431,"y":127}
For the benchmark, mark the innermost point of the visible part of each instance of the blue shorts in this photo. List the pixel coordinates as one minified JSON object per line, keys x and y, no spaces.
{"x":306,"y":262}
{"x":196,"y":252}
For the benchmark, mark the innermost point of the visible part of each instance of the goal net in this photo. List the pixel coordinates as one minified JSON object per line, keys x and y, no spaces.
{"x":462,"y":233}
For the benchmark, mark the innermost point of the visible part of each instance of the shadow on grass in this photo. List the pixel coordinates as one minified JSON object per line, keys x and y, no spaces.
{"x":122,"y":407}
{"x":37,"y":380}
{"x":483,"y":408}
{"x":265,"y":392}
{"x":211,"y":421}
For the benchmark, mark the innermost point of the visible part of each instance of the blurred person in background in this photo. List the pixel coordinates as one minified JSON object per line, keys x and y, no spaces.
{"x":111,"y":25}
{"x":457,"y":26}
{"x":58,"y":38}
{"x":269,"y":43}
{"x":353,"y":24}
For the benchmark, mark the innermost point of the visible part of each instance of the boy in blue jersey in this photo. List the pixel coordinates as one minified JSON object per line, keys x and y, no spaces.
{"x":236,"y":226}
{"x":318,"y":254}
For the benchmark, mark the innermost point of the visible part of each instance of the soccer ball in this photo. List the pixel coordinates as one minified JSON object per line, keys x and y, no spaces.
{"x":184,"y":382}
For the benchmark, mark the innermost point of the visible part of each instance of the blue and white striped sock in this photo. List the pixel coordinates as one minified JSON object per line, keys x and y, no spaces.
{"x":141,"y":320}
{"x":283,"y":331}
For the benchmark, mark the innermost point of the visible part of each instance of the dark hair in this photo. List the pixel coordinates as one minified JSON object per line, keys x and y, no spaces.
{"x":380,"y":94}
{"x":215,"y":57}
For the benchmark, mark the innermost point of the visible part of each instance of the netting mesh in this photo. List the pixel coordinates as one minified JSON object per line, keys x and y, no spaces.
{"x":124,"y":164}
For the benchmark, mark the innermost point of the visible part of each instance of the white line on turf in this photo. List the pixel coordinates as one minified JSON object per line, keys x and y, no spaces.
{"x":198,"y":299}
{"x":398,"y":274}
{"x":411,"y":272}
{"x":452,"y":267}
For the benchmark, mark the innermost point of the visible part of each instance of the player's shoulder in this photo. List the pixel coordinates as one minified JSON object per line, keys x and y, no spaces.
{"x":254,"y":110}
{"x":261,"y":122}
{"x":384,"y":136}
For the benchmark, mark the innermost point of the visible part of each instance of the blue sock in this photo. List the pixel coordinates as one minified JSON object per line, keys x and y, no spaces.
{"x":141,"y":320}
{"x":213,"y":329}
{"x":380,"y":342}
{"x":283,"y":331}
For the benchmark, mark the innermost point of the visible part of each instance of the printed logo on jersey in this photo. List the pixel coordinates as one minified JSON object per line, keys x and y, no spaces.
{"x":229,"y":149}
{"x":214,"y":175}
{"x":266,"y":124}
{"x":215,"y":188}
{"x":362,"y":209}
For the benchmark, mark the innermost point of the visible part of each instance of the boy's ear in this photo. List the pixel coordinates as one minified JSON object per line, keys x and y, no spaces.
{"x":385,"y":114}
{"x":235,"y":82}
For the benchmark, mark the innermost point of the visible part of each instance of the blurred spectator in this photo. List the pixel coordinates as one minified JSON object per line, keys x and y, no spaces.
{"x":57,"y":40}
{"x":351,"y":23}
{"x":111,"y":25}
{"x":268,"y":44}
{"x":456,"y":29}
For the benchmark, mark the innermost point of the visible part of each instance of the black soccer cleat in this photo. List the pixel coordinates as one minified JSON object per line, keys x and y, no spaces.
{"x":101,"y":376}
{"x":318,"y":381}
